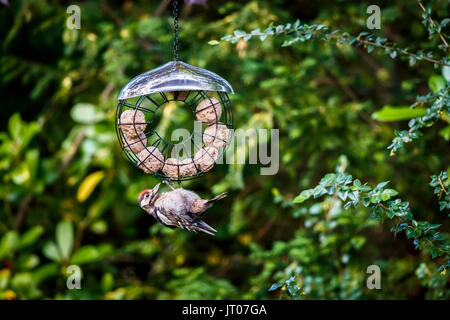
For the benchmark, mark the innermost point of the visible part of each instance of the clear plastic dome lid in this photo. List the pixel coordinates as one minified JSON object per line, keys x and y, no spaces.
{"x":174,"y":76}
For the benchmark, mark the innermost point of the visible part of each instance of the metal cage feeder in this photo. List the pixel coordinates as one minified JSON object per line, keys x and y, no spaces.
{"x":203,"y":92}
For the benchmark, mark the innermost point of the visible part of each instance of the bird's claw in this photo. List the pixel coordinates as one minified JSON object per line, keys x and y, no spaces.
{"x":169,"y":184}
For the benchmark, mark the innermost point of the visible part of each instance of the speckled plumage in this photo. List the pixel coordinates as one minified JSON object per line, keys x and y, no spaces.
{"x":178,"y":208}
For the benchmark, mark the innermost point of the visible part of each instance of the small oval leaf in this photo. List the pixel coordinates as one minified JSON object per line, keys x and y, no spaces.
{"x":88,"y":185}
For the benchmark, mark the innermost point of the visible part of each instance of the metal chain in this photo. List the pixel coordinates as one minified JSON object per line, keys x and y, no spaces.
{"x":175,"y":29}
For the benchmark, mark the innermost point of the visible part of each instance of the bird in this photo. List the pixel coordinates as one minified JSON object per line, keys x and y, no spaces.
{"x":179,"y":208}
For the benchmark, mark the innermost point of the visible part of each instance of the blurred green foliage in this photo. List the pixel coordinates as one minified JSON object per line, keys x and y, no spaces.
{"x":68,"y":195}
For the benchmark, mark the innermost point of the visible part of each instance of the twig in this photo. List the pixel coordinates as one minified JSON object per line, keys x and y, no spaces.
{"x":382,"y":206}
{"x":80,"y":231}
{"x":433,"y":24}
{"x":107,"y":91}
{"x":347,"y":90}
{"x":442,"y":187}
{"x":106,"y":8}
{"x":366,"y":42}
{"x":403,"y":51}
{"x":72,"y":152}
{"x":163,"y":5}
{"x":264,"y":229}
{"x":8,"y":211}
{"x":23,"y":208}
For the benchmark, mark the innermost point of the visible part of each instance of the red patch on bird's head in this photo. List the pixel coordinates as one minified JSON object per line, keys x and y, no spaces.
{"x":142,"y":194}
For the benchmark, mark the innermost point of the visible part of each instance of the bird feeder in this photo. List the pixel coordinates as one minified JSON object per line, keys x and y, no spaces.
{"x":203,"y":92}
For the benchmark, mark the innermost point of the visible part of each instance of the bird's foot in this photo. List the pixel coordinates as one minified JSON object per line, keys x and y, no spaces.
{"x":169,"y":184}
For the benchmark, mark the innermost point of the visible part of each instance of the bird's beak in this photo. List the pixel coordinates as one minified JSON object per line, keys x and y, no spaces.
{"x":156,"y":188}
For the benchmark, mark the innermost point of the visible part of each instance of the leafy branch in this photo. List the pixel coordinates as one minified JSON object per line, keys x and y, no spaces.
{"x":302,"y":32}
{"x":383,"y":204}
{"x":432,"y":27}
{"x":440,"y":105}
{"x":440,"y":184}
{"x":290,"y":285}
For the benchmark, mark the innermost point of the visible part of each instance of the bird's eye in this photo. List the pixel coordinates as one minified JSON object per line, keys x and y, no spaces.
{"x":146,"y":195}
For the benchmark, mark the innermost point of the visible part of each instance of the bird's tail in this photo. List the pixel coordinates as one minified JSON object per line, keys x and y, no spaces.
{"x":218,"y":197}
{"x":201,"y":226}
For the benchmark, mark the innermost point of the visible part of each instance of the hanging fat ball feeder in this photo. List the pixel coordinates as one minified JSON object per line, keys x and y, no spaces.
{"x":201,"y":91}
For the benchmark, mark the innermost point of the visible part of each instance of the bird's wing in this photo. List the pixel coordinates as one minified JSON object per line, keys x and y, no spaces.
{"x":167,"y":217}
{"x":172,"y":219}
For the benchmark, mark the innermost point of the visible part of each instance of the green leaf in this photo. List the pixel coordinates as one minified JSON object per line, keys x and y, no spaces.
{"x":299,"y":199}
{"x":48,"y":270}
{"x":342,"y":195}
{"x":328,"y":179}
{"x":445,"y":133}
{"x":412,"y":233}
{"x":385,"y":196}
{"x":8,"y":243}
{"x":382,"y":184}
{"x":444,"y":22}
{"x":435,"y":252}
{"x":21,"y":174}
{"x":388,"y":193}
{"x":32,"y":160}
{"x":304,"y":195}
{"x":107,"y":282}
{"x":392,"y":113}
{"x":64,"y":238}
{"x":390,"y":213}
{"x":51,"y":251}
{"x":15,"y":125}
{"x":436,"y":83}
{"x":365,"y":201}
{"x":85,"y":255}
{"x":30,"y":236}
{"x":28,"y":261}
{"x":99,"y":227}
{"x":446,"y":73}
{"x":86,"y":113}
{"x":213,"y":43}
{"x":275,"y":286}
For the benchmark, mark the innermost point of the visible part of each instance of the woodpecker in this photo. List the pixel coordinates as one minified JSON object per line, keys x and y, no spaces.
{"x":178,"y":208}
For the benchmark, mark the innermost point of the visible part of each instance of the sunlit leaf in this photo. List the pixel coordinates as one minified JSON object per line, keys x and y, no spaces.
{"x":88,"y":185}
{"x":64,"y":238}
{"x":51,"y":251}
{"x":391,"y":113}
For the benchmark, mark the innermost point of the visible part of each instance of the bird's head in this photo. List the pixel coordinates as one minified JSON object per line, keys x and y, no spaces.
{"x":148,"y":196}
